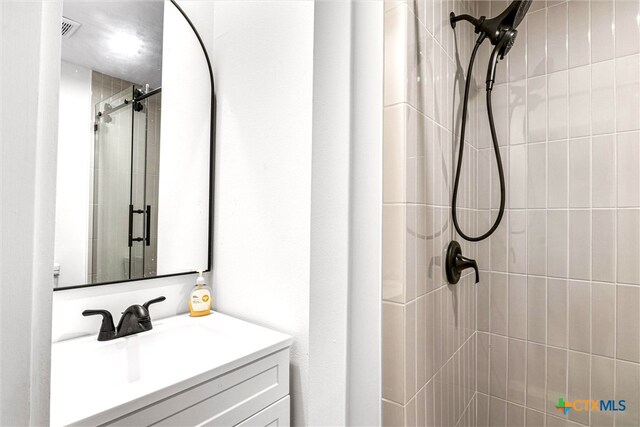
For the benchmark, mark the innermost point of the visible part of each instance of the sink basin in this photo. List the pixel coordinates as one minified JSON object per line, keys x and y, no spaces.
{"x":89,"y":377}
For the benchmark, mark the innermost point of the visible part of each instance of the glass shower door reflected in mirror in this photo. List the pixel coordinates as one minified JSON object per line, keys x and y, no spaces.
{"x":122,"y":202}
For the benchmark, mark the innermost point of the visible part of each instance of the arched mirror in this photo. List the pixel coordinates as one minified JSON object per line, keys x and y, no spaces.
{"x":136,"y":144}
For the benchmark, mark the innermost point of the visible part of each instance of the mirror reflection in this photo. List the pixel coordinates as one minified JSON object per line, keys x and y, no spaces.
{"x":112,"y":158}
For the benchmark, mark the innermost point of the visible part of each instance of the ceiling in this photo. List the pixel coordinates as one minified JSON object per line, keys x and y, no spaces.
{"x":119,"y":38}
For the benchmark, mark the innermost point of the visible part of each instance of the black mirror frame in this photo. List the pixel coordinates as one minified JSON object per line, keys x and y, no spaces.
{"x":212,"y":164}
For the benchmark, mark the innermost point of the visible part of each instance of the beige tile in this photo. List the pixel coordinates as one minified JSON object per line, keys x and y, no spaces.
{"x":579,"y":38}
{"x":579,"y":383}
{"x":628,"y":323}
{"x":536,"y":43}
{"x":627,"y":27}
{"x":517,"y":368}
{"x":536,"y":374}
{"x":628,"y":246}
{"x":536,"y":309}
{"x":627,"y":93}
{"x":410,"y":413}
{"x":410,"y":254}
{"x":429,"y":405}
{"x":517,"y":290}
{"x":602,"y":381}
{"x":579,"y":316}
{"x":515,"y":415}
{"x":498,"y":366}
{"x":602,"y":47}
{"x":627,"y":170}
{"x":579,"y":101}
{"x":536,"y":242}
{"x":628,"y":389}
{"x":410,"y":350}
{"x":558,"y":113}
{"x":392,"y":414}
{"x":603,"y":320}
{"x":604,"y":171}
{"x":536,"y":175}
{"x":393,"y":348}
{"x":483,"y":293}
{"x":603,"y":106}
{"x":421,"y":399}
{"x":483,"y":362}
{"x":497,"y":412}
{"x":421,"y":342}
{"x":557,"y":306}
{"x":534,"y":418}
{"x":556,"y":377}
{"x":499,"y":303}
{"x":557,"y":56}
{"x":394,"y":155}
{"x":603,"y":253}
{"x":393,"y":253}
{"x":558,"y":243}
{"x":482,"y":410}
{"x":395,"y":60}
{"x":580,"y":173}
{"x":517,"y":253}
{"x":580,"y":244}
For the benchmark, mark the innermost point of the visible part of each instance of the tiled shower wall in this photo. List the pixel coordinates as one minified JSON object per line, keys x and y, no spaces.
{"x":429,"y":339}
{"x":558,"y":306}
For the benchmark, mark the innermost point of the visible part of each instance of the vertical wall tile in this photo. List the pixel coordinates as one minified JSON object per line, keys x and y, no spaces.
{"x":517,"y":253}
{"x":410,"y":253}
{"x":394,"y":165}
{"x":536,"y":176}
{"x":627,"y":27}
{"x":393,"y":252}
{"x":536,"y":43}
{"x":517,"y":57}
{"x":482,"y":408}
{"x":602,"y":379}
{"x":499,"y":243}
{"x":557,"y":56}
{"x":395,"y":61}
{"x":416,"y":64}
{"x":483,"y":362}
{"x":517,"y":183}
{"x":499,"y":303}
{"x":603,"y":98}
{"x":537,"y":109}
{"x":536,"y":375}
{"x":536,"y":309}
{"x":603,"y":257}
{"x":517,"y":371}
{"x":580,"y":244}
{"x":580,"y":173}
{"x":558,"y":103}
{"x":603,"y":319}
{"x":393,"y":352}
{"x":602,"y":47}
{"x":392,"y":414}
{"x":557,"y":304}
{"x":558,"y":155}
{"x":579,"y":316}
{"x":421,"y":342}
{"x":579,"y":100}
{"x":579,"y":383}
{"x":410,"y":349}
{"x":556,"y":377}
{"x":603,"y":171}
{"x":517,"y":109}
{"x":627,"y":93}
{"x":498,"y":368}
{"x":628,"y":171}
{"x":534,"y":418}
{"x":517,"y":324}
{"x":515,"y":415}
{"x":628,"y":323}
{"x":579,"y":47}
{"x":483,"y":290}
{"x":536,"y":242}
{"x":557,"y":243}
{"x":628,"y":388}
{"x":497,"y":412}
{"x":628,"y":246}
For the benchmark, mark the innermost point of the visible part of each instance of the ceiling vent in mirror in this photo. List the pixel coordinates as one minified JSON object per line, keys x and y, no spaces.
{"x":69,"y":27}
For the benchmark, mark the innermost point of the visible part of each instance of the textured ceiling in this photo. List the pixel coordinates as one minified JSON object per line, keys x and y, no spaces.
{"x":102,"y":22}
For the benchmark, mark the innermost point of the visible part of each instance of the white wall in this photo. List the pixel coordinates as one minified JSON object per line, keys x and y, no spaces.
{"x":75,"y":139}
{"x":29,"y":80}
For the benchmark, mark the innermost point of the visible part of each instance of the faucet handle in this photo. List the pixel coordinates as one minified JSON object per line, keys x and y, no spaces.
{"x":153,"y":301}
{"x":465,"y":262}
{"x":107,"y":329}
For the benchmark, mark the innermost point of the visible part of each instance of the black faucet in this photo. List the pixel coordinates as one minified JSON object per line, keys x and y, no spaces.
{"x":135,"y":319}
{"x":456,"y":263}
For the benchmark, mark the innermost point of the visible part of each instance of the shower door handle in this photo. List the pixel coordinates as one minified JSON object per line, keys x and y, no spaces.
{"x":148,"y":231}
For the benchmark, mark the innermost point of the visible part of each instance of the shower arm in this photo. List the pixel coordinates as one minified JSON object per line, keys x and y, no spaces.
{"x":477,"y":22}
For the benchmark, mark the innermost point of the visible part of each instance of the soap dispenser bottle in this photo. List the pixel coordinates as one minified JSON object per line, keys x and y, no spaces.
{"x":200,"y":299}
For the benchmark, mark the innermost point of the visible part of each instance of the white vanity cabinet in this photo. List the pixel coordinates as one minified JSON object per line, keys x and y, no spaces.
{"x":209,"y":371}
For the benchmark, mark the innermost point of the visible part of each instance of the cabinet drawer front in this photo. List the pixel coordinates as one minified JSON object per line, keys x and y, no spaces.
{"x":276,"y":415}
{"x":222,"y":401}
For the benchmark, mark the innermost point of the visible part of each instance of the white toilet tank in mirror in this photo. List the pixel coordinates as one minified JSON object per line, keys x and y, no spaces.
{"x":214,"y":370}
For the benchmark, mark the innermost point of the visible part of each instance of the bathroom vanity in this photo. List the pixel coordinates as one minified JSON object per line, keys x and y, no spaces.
{"x":214,"y":370}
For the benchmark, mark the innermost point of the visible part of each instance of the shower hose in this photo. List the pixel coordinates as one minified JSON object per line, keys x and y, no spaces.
{"x":496,"y":150}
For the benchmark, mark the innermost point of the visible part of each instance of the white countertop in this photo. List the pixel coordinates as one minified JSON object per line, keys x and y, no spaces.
{"x":94,"y":382}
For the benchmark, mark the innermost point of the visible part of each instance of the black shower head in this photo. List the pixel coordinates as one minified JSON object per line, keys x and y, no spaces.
{"x":503,"y":25}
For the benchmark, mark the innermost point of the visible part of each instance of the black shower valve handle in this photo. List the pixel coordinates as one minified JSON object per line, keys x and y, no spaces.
{"x":456,"y":263}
